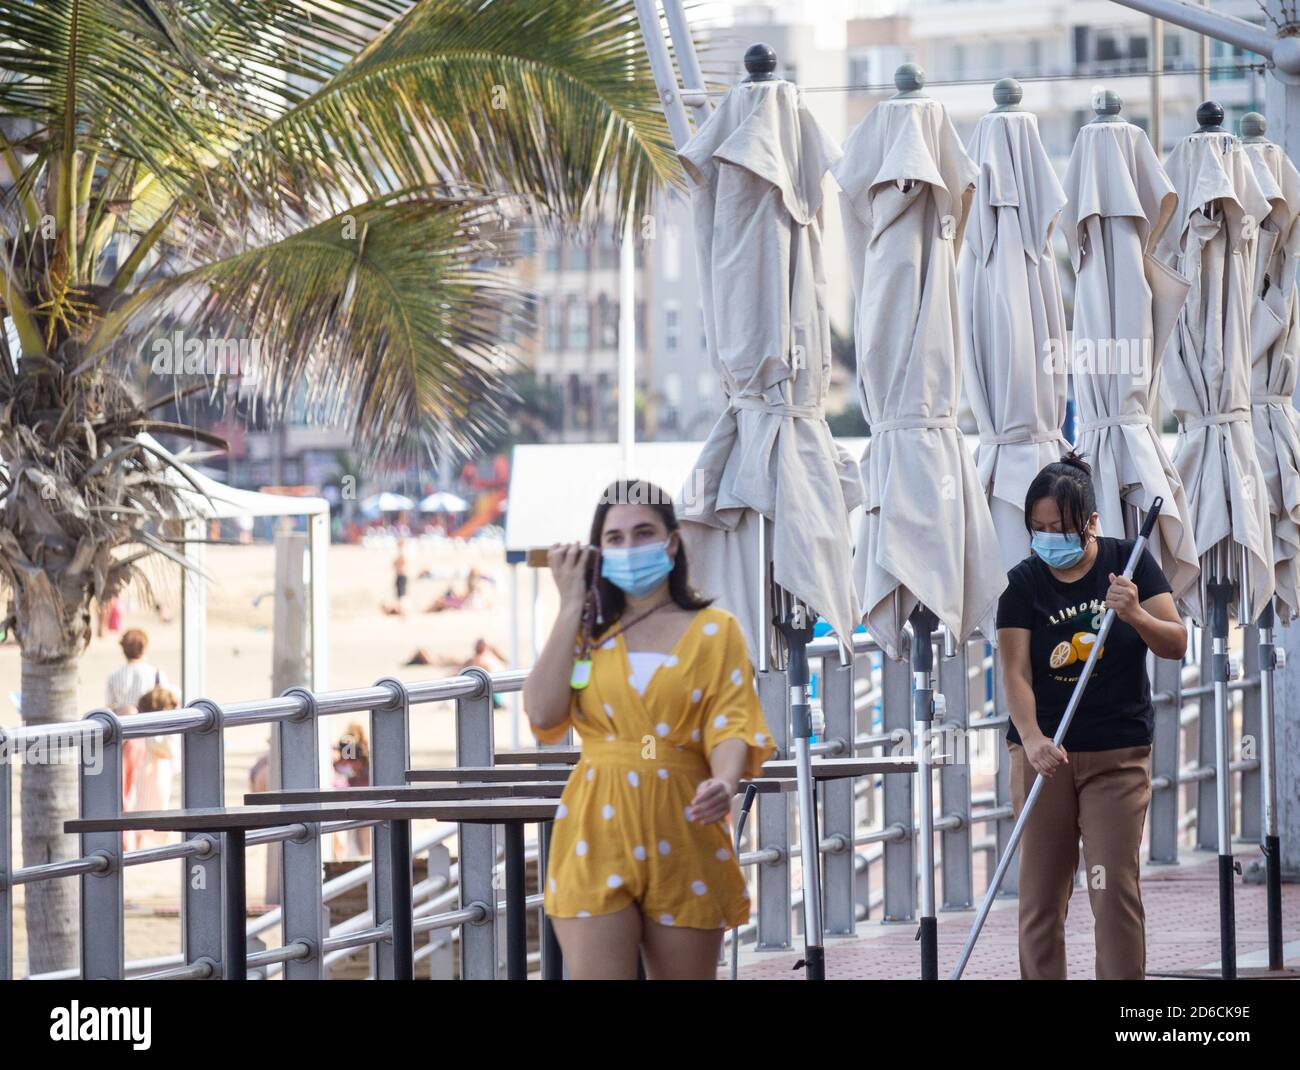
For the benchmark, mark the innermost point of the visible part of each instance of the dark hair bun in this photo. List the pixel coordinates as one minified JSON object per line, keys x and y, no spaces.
{"x":1075,"y":460}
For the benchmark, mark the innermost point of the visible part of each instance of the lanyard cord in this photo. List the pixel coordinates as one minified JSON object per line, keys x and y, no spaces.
{"x":624,"y":626}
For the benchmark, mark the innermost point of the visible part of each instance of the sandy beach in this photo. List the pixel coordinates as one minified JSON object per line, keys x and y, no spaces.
{"x":365,"y":644}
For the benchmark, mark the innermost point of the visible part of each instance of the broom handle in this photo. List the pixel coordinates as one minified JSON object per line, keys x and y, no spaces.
{"x":1139,"y":544}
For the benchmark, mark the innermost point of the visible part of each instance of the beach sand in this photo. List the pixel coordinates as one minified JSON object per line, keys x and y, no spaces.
{"x":364,"y":645}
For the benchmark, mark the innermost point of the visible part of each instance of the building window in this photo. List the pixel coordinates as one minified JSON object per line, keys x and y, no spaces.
{"x":672,"y":328}
{"x":579,"y":316}
{"x":579,"y":258}
{"x":606,"y":322}
{"x":554,"y":255}
{"x":672,"y":252}
{"x":553,"y":318}
{"x":607,"y":248}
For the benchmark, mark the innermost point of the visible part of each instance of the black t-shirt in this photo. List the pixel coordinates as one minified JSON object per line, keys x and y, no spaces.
{"x":1063,"y":620}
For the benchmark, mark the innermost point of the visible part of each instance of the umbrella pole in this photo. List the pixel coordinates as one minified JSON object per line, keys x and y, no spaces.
{"x":922,"y":656}
{"x":1018,"y":829}
{"x":796,"y":626}
{"x":1268,"y":663}
{"x":1221,"y":594}
{"x":741,"y":818}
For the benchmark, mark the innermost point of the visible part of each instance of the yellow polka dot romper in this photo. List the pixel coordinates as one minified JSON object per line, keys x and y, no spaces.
{"x":621,"y":835}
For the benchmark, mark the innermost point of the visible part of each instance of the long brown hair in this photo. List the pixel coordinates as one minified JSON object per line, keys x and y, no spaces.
{"x":612,"y":599}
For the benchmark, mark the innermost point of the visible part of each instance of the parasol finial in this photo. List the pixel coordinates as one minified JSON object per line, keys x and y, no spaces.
{"x":1210,"y":117}
{"x":1007,"y":95}
{"x":910,"y":80}
{"x":1253,"y":128}
{"x":1107,"y":105}
{"x":760,"y":62}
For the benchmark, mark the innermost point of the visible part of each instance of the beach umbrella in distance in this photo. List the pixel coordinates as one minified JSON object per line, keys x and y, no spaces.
{"x":1214,"y":243}
{"x":1275,"y":356}
{"x":769,"y":466}
{"x":443,"y":501}
{"x":765,"y":513}
{"x":386,"y":502}
{"x":1119,"y":202}
{"x":927,"y":550}
{"x":1012,"y":317}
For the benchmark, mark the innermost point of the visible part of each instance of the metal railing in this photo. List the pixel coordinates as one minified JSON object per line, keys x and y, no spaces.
{"x":868,"y":827}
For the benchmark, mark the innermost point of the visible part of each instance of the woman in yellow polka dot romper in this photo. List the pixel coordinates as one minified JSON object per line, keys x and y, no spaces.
{"x":659,"y":687}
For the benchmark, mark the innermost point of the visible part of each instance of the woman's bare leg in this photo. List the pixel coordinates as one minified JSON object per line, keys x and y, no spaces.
{"x":680,"y":954}
{"x":603,"y":948}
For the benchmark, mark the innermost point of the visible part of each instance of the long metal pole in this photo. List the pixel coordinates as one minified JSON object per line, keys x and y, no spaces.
{"x":1157,"y":93}
{"x":1268,"y":786}
{"x":797,"y":629}
{"x":627,"y":348}
{"x":1203,"y":65}
{"x":1220,"y":596}
{"x":1013,"y":842}
{"x":922,"y":657}
{"x":1230,"y":28}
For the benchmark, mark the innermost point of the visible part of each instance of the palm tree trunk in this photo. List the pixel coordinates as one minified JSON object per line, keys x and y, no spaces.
{"x":50,"y":794}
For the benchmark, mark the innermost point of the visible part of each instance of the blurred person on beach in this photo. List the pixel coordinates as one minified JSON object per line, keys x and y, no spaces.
{"x":486,"y":656}
{"x":352,"y":770}
{"x":471,"y":599}
{"x":110,"y":616}
{"x":153,"y":768}
{"x":127,"y":683}
{"x":400,"y":580}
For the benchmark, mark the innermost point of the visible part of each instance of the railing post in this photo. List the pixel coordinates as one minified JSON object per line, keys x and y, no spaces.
{"x":955,"y":857}
{"x":390,"y":753}
{"x":1002,"y":792}
{"x":1252,"y":798}
{"x":439,"y":956}
{"x":1207,"y":809}
{"x":899,"y":855}
{"x":203,"y":753}
{"x":477,"y":851}
{"x":6,"y":860}
{"x":1167,"y":679}
{"x":838,"y":874}
{"x":103,"y":954}
{"x":775,"y":902}
{"x":303,"y":908}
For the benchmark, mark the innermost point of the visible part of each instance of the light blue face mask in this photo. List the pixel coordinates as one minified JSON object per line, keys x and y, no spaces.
{"x":636,"y":570}
{"x":1056,"y":548}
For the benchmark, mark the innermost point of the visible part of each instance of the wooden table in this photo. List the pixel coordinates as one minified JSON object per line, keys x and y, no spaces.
{"x":838,"y":768}
{"x":232,"y":823}
{"x":490,"y":773}
{"x":536,"y":756}
{"x":409,"y":793}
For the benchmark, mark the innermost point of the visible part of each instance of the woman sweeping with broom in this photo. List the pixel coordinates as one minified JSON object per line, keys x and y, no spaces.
{"x":659,"y":686}
{"x":1097,"y":784}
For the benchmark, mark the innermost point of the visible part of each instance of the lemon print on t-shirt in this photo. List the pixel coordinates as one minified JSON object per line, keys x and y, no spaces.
{"x":1063,"y":655}
{"x":1083,"y":643}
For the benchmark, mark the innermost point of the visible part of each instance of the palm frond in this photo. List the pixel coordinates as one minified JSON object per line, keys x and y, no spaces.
{"x":386,"y":317}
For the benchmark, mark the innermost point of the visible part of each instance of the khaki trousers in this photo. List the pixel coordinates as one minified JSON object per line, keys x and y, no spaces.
{"x":1103,"y":797}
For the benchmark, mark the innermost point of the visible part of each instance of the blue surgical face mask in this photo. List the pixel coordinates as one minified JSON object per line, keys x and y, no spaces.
{"x":1056,"y":548}
{"x":636,"y":570}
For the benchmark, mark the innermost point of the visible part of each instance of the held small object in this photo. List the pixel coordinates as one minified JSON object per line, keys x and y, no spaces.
{"x":1108,"y":619}
{"x":539,"y":556}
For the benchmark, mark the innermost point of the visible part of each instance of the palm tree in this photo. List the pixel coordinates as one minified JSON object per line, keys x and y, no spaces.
{"x":333,"y":180}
